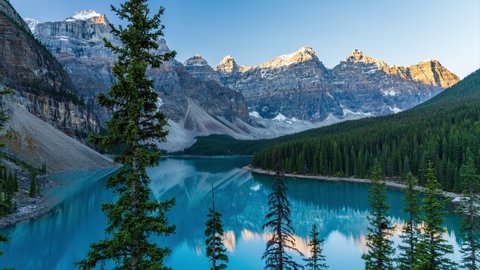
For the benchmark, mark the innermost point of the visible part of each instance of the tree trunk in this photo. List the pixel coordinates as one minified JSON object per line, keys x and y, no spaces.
{"x":135,"y":241}
{"x":472,"y":230}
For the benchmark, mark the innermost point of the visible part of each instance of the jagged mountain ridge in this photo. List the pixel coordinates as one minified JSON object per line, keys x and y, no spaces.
{"x":290,"y":93}
{"x":77,"y":43}
{"x":298,"y":85}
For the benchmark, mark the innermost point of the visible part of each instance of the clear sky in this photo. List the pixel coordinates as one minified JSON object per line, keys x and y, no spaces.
{"x":400,"y":32}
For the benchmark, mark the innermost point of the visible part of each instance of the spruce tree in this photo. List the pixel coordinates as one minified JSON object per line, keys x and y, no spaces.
{"x":469,"y":208}
{"x":407,"y":257}
{"x":137,"y":125}
{"x":279,"y":222}
{"x":380,"y":247}
{"x":5,"y":200}
{"x":4,"y":240}
{"x":216,"y":251}
{"x":317,"y":260}
{"x":431,"y":247}
{"x":33,"y":186}
{"x":15,"y":181}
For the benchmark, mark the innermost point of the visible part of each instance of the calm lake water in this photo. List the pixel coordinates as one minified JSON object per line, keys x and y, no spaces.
{"x":58,"y":239}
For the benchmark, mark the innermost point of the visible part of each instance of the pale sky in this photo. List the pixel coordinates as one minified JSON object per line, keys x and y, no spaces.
{"x":400,"y":32}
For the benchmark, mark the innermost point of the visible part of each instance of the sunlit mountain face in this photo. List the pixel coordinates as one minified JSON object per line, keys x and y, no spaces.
{"x":339,"y":209}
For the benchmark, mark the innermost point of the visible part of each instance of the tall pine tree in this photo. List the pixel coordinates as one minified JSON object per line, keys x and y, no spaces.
{"x":216,"y":251}
{"x":33,"y":186}
{"x":380,"y":247}
{"x":406,"y":259}
{"x":470,"y":209}
{"x":136,"y":124}
{"x":317,"y":260}
{"x":431,"y":247}
{"x":4,"y":200}
{"x":279,"y":222}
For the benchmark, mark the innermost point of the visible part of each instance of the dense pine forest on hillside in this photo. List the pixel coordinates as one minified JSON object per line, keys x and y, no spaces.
{"x":442,"y":130}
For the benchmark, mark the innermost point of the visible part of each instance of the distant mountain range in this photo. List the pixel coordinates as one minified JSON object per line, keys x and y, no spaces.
{"x":444,"y":131}
{"x":288,"y":94}
{"x":299,"y":86}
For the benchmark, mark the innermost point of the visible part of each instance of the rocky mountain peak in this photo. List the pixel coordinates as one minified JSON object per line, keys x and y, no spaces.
{"x":199,"y":67}
{"x":227,"y":65}
{"x":32,"y":23}
{"x":88,"y":15}
{"x":196,"y":60}
{"x":431,"y":72}
{"x":359,"y":57}
{"x":427,"y":72}
{"x":303,"y":54}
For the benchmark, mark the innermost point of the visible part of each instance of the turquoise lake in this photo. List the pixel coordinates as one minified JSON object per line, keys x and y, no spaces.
{"x":55,"y":241}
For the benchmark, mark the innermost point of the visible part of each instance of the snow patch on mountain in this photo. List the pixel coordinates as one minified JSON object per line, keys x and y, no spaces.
{"x":32,"y":23}
{"x":254,"y":114}
{"x":282,"y":118}
{"x":348,"y":113}
{"x":395,"y":109}
{"x":389,"y":93}
{"x":84,"y":15}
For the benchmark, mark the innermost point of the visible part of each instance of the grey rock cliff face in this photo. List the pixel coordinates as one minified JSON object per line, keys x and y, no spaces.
{"x":7,"y":9}
{"x":30,"y":69}
{"x":299,"y":85}
{"x":295,"y":85}
{"x":78,"y":45}
{"x":199,"y":68}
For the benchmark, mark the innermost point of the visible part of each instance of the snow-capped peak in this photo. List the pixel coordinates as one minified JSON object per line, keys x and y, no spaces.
{"x":32,"y":23}
{"x":283,"y":119}
{"x":304,"y":54}
{"x":196,"y":60}
{"x":303,"y":51}
{"x":86,"y":15}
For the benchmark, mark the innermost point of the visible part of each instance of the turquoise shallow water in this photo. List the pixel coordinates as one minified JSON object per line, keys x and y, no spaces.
{"x":56,"y":240}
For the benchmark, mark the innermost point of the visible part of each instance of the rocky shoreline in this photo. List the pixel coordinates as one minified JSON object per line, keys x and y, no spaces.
{"x":27,"y":207}
{"x":454,"y":196}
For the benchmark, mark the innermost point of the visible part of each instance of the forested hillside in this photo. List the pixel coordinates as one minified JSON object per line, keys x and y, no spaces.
{"x":441,"y":130}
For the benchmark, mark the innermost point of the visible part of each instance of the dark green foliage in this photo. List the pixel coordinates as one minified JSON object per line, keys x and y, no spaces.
{"x":431,"y":247}
{"x":21,"y":163}
{"x":14,"y":181}
{"x":136,"y":123}
{"x":5,"y":194}
{"x":380,"y":247}
{"x":280,"y":224}
{"x":407,"y":257}
{"x":224,"y":145}
{"x":8,"y":179}
{"x":469,"y":208}
{"x":317,"y":260}
{"x":216,"y":251}
{"x":43,"y":170}
{"x":32,"y":191}
{"x":3,"y":239}
{"x":440,"y":130}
